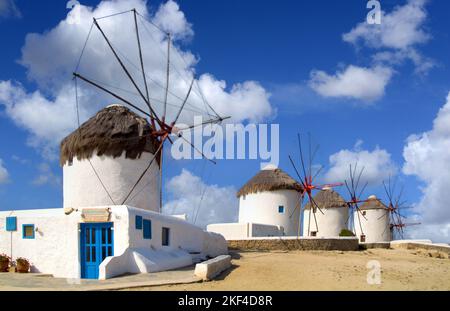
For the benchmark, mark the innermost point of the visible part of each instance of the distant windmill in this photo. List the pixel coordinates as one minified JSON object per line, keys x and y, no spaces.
{"x":307,"y":182}
{"x":395,"y":208}
{"x":353,"y":188}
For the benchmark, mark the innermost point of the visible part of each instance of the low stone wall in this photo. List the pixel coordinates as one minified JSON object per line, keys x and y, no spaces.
{"x":209,"y":269}
{"x":422,"y":246}
{"x":384,"y":245}
{"x":293,"y":243}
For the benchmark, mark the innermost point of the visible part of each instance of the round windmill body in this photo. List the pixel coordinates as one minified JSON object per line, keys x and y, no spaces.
{"x":333,"y":218}
{"x":271,"y":197}
{"x":103,"y":159}
{"x":308,"y":185}
{"x":375,"y":225}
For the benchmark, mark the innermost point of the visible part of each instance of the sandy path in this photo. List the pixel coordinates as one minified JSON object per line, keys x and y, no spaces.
{"x":401,"y":270}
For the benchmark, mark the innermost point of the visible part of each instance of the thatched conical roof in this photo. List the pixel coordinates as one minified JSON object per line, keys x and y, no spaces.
{"x":328,"y":198}
{"x":110,"y":132}
{"x":372,"y":203}
{"x":270,"y":180}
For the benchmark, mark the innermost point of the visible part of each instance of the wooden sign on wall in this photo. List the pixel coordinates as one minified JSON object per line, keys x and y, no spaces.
{"x":95,"y":214}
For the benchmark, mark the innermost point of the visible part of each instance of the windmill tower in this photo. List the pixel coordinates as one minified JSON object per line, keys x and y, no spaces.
{"x":353,"y":188}
{"x":307,"y":181}
{"x":374,"y":226}
{"x":271,"y":197}
{"x":334,"y":217}
{"x":395,"y":211}
{"x":116,"y":157}
{"x":103,"y":159}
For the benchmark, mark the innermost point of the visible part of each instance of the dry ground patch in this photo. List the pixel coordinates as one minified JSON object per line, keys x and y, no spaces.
{"x":329,"y":270}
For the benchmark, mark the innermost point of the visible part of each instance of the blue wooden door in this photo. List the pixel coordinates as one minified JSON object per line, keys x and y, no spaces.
{"x":96,"y":243}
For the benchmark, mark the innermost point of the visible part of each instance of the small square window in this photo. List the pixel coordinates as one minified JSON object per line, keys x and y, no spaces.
{"x":165,"y":236}
{"x":364,"y":213}
{"x":281,"y":209}
{"x":28,"y":231}
{"x":138,"y":221}
{"x":313,"y":233}
{"x":70,"y":162}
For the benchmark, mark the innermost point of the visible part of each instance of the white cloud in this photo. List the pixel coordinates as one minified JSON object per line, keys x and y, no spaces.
{"x":46,"y":176}
{"x":422,"y":63}
{"x":50,"y":58}
{"x":245,"y":101}
{"x":395,"y":40}
{"x":377,"y":164}
{"x":4,"y":175}
{"x":427,"y":156}
{"x":367,"y":84}
{"x":8,"y":8}
{"x":397,"y":36}
{"x":47,"y":121}
{"x":400,"y":29}
{"x":392,"y":43}
{"x":171,"y":19}
{"x":219,"y":204}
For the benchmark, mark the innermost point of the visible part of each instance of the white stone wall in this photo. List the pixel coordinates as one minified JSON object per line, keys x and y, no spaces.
{"x":183,"y":235}
{"x":329,"y":224}
{"x":261,"y":230}
{"x":187,"y":242}
{"x":236,"y":231}
{"x":375,"y":225}
{"x":44,"y":251}
{"x":262,"y":208}
{"x":83,"y":188}
{"x":56,"y":246}
{"x":230,"y":231}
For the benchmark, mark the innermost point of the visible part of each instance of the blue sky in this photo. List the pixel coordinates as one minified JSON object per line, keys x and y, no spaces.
{"x":295,"y":50}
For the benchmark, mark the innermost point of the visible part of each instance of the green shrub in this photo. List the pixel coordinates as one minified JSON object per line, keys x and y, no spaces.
{"x":346,"y":232}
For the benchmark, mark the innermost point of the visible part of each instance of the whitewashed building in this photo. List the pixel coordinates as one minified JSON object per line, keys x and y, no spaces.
{"x":110,"y":223}
{"x":268,"y":206}
{"x":330,"y":219}
{"x":375,"y":223}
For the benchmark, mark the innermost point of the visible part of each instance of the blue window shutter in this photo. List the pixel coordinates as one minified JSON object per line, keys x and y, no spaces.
{"x":138,"y":222}
{"x":281,"y":209}
{"x":11,"y":223}
{"x":147,"y":226}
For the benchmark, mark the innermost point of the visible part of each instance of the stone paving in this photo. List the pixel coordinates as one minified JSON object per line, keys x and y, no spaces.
{"x":42,"y":282}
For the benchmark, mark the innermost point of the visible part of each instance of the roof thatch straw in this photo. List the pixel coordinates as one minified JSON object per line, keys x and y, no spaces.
{"x":328,"y":198}
{"x":372,"y":203}
{"x":110,"y":132}
{"x":269,"y":180}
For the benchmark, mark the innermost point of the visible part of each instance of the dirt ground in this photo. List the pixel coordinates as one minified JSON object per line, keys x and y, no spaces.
{"x":319,"y":270}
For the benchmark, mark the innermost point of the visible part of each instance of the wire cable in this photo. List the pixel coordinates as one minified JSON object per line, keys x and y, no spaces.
{"x":79,"y":132}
